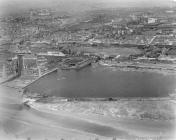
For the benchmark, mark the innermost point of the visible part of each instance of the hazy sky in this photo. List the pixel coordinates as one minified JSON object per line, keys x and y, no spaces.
{"x":127,"y":2}
{"x":76,"y":5}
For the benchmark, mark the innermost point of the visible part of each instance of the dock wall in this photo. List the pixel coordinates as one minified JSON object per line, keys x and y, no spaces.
{"x":40,"y":77}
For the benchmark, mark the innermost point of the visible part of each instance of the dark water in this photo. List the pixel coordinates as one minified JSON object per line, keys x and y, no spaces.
{"x":103,"y":82}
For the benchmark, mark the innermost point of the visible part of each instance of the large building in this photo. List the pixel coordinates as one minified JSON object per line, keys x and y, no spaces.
{"x":152,"y":20}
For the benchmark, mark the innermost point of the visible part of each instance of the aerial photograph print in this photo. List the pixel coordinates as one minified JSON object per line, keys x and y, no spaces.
{"x":87,"y":69}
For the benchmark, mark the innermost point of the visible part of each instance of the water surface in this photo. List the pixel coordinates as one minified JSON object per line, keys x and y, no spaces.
{"x":104,"y":82}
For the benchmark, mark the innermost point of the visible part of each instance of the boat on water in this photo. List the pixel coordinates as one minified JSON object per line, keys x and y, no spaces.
{"x":77,"y":66}
{"x":83,"y":64}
